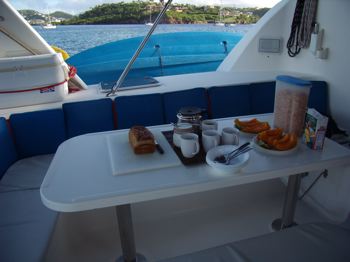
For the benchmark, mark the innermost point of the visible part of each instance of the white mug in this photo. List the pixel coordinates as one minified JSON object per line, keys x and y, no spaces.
{"x":209,"y":124}
{"x":230,"y":136}
{"x":189,"y":145}
{"x":210,"y":139}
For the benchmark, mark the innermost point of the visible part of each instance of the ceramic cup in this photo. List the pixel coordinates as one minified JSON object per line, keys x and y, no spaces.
{"x":189,"y":145}
{"x":180,"y":129}
{"x":209,"y":125}
{"x":230,"y":136}
{"x":210,"y":139}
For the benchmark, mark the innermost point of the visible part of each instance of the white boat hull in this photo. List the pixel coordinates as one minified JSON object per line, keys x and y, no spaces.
{"x":31,"y":80}
{"x":49,"y":26}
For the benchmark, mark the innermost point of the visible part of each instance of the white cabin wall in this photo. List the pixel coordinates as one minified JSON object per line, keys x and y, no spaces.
{"x":329,"y":195}
{"x":333,"y":16}
{"x":245,"y":56}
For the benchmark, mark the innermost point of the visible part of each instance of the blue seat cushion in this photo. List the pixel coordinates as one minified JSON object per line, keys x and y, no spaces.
{"x":88,"y":116}
{"x":145,"y":110}
{"x":173,"y":101}
{"x":318,"y":98}
{"x":228,"y":101}
{"x":7,"y":149}
{"x":262,"y":97}
{"x":38,"y":133}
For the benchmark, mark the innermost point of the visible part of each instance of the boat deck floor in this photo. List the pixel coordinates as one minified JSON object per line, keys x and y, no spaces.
{"x":174,"y":226}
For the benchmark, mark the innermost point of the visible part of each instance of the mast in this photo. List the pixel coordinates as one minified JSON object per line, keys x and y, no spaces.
{"x":150,"y":14}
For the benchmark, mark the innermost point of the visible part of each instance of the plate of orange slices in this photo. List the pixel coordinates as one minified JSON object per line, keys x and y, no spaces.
{"x":251,"y":127}
{"x":275,"y":142}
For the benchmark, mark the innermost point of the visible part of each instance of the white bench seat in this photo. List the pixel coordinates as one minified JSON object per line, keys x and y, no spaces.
{"x":27,"y":173}
{"x":26,"y":224}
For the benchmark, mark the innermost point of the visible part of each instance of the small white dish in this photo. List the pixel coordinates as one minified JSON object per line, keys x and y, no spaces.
{"x":264,"y":150}
{"x":235,"y":164}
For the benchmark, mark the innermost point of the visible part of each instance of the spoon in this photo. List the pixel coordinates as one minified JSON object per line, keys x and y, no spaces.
{"x":245,"y":150}
{"x":223,"y":158}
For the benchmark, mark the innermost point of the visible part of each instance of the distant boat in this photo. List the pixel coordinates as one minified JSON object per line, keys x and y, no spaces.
{"x":220,"y":23}
{"x":49,"y":26}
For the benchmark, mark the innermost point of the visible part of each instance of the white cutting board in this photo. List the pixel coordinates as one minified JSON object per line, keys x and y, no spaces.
{"x":125,"y":161}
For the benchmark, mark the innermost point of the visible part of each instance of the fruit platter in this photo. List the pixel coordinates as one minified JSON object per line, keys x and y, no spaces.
{"x":275,"y":142}
{"x":251,"y":127}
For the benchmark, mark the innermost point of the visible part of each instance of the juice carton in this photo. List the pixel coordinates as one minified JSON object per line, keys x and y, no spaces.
{"x":315,"y":129}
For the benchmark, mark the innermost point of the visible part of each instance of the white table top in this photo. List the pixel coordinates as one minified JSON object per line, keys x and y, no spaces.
{"x":80,"y":175}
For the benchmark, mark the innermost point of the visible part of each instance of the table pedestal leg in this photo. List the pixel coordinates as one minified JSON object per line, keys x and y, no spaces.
{"x":290,"y":202}
{"x":126,"y":233}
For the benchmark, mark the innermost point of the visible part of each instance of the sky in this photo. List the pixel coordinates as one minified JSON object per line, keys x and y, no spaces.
{"x":78,"y":6}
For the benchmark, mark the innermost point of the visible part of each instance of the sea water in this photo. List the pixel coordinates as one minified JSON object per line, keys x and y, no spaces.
{"x":76,"y":38}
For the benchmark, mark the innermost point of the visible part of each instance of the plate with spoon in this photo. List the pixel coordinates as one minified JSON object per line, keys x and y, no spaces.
{"x":228,"y":158}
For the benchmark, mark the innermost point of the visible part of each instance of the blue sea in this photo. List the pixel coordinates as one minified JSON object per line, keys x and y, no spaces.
{"x":76,"y":38}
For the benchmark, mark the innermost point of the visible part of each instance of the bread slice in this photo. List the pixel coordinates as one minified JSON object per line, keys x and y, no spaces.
{"x":141,"y":140}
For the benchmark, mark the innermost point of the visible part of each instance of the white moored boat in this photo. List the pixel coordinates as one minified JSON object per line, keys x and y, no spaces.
{"x":49,"y":26}
{"x":59,"y":186}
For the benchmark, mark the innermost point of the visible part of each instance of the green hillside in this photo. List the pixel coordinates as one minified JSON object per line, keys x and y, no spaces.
{"x":60,"y":14}
{"x":137,"y":12}
{"x":35,"y":17}
{"x":31,"y":14}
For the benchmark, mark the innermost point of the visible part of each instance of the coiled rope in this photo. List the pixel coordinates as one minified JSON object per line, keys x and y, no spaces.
{"x":307,"y":23}
{"x":302,"y":26}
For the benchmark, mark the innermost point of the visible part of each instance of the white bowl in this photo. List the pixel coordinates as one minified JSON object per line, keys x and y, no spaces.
{"x":235,"y":164}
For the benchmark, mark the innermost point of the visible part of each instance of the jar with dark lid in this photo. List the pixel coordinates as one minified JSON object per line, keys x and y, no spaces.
{"x":191,"y":115}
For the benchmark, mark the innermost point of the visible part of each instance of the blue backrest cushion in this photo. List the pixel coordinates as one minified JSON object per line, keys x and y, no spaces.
{"x":228,"y":101}
{"x":145,"y":110}
{"x":88,"y":116}
{"x":8,"y":154}
{"x":318,"y":97}
{"x":39,"y":132}
{"x":173,"y":101}
{"x":262,"y":97}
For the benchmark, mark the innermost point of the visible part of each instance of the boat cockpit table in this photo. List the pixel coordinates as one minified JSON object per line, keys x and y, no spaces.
{"x":93,"y":171}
